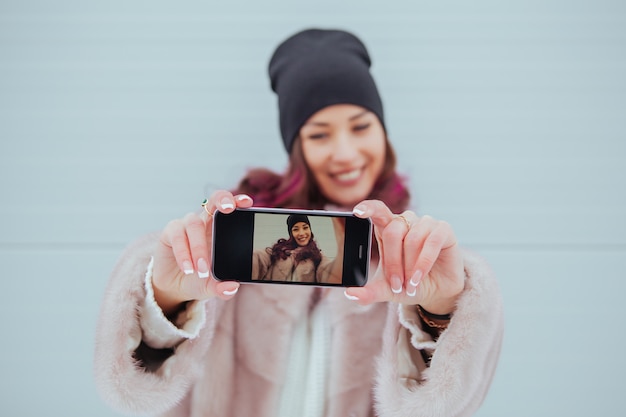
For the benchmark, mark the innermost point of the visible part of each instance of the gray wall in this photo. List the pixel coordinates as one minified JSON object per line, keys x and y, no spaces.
{"x":509,"y":118}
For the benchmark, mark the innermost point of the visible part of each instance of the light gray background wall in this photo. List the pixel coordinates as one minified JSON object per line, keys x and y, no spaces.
{"x":509,"y":118}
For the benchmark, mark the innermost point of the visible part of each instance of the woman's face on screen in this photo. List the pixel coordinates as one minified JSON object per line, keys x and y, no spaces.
{"x":301,"y":233}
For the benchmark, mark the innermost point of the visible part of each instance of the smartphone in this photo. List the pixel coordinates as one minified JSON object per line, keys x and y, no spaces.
{"x":301,"y":247}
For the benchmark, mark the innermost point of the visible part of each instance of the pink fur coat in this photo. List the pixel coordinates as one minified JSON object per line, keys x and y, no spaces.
{"x":236,"y":365}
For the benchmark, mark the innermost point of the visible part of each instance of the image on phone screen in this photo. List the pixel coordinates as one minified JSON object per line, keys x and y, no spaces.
{"x":291,"y":247}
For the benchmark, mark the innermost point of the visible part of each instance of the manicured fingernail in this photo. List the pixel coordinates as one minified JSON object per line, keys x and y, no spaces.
{"x":203,"y":268}
{"x":350,"y":297}
{"x":416,"y":278}
{"x":360,"y":210}
{"x":187,"y":268}
{"x":412,"y":293}
{"x":226,"y":204}
{"x":230,"y":292}
{"x":243,"y":197}
{"x":396,"y":284}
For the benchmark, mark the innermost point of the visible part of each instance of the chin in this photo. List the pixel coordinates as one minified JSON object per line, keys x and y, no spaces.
{"x":346,"y":196}
{"x":349,"y":201}
{"x":346,"y":204}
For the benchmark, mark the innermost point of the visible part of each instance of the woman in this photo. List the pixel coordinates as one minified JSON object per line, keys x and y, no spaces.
{"x":298,"y":258}
{"x":172,"y":341}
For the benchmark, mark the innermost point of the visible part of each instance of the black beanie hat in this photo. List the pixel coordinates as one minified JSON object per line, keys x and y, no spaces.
{"x":317,"y":68}
{"x":296,"y":218}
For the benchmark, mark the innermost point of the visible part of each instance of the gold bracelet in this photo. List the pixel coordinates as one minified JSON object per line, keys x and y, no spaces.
{"x":429,"y":322}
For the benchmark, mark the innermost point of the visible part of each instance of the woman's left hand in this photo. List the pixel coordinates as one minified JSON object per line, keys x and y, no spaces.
{"x":420,"y":261}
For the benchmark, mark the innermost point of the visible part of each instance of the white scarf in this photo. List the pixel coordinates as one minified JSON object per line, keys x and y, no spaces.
{"x":304,"y":392}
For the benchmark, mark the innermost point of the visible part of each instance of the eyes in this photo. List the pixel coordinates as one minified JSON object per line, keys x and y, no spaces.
{"x":322,"y":133}
{"x":297,"y":229}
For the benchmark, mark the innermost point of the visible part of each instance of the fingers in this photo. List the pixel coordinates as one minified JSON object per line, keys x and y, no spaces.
{"x":393,"y":243}
{"x":423,"y":244}
{"x":440,"y":238}
{"x":182,"y":261}
{"x":369,"y":294}
{"x":390,"y":232}
{"x":376,"y":210}
{"x":243,"y":200}
{"x":409,"y":247}
{"x":225,"y":289}
{"x":187,"y":239}
{"x":416,"y":262}
{"x":196,"y":231}
{"x":225,"y":202}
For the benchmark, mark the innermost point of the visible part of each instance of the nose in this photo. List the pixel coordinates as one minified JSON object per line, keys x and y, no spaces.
{"x":344,"y":149}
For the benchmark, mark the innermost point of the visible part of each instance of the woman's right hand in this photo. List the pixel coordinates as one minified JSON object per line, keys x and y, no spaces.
{"x":182,"y":262}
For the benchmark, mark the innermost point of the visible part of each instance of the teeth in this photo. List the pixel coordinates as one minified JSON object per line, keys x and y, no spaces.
{"x":349,"y":176}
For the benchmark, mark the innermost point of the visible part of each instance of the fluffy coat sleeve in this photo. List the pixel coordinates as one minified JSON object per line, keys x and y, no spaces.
{"x":464,"y":356}
{"x":130,"y":375}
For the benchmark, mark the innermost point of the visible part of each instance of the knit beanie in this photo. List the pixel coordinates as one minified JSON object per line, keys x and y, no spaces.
{"x":296,"y":218}
{"x":317,"y":68}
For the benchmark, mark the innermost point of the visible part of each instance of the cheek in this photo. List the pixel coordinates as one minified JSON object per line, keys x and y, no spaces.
{"x":378,"y":152}
{"x":314,"y":157}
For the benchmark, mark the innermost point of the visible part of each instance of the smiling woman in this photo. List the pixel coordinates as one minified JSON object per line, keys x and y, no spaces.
{"x":430,"y":315}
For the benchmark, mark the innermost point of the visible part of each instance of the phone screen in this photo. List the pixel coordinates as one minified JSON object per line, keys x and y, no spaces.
{"x":303,"y":247}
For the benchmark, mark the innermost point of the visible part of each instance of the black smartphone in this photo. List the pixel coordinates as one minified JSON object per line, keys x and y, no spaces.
{"x":302,"y":247}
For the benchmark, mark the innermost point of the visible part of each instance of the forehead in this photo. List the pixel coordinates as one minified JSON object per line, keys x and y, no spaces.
{"x":300,"y":224}
{"x":337,"y":113}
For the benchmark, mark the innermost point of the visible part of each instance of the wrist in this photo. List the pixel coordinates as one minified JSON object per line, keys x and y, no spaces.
{"x":434,"y":321}
{"x":441,"y":303}
{"x":440,"y":308}
{"x":164,"y":298}
{"x":168,"y":304}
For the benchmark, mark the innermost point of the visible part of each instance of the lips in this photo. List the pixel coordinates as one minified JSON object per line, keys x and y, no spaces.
{"x":348,"y":176}
{"x":302,"y":241}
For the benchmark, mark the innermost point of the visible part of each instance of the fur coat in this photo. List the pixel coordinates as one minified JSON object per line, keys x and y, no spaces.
{"x":290,"y":270}
{"x":236,"y":364}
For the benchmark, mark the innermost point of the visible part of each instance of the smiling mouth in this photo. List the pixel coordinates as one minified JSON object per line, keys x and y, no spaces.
{"x":348,"y":176}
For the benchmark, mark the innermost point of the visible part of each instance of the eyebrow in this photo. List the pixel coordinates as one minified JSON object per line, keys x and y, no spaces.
{"x":356,"y":116}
